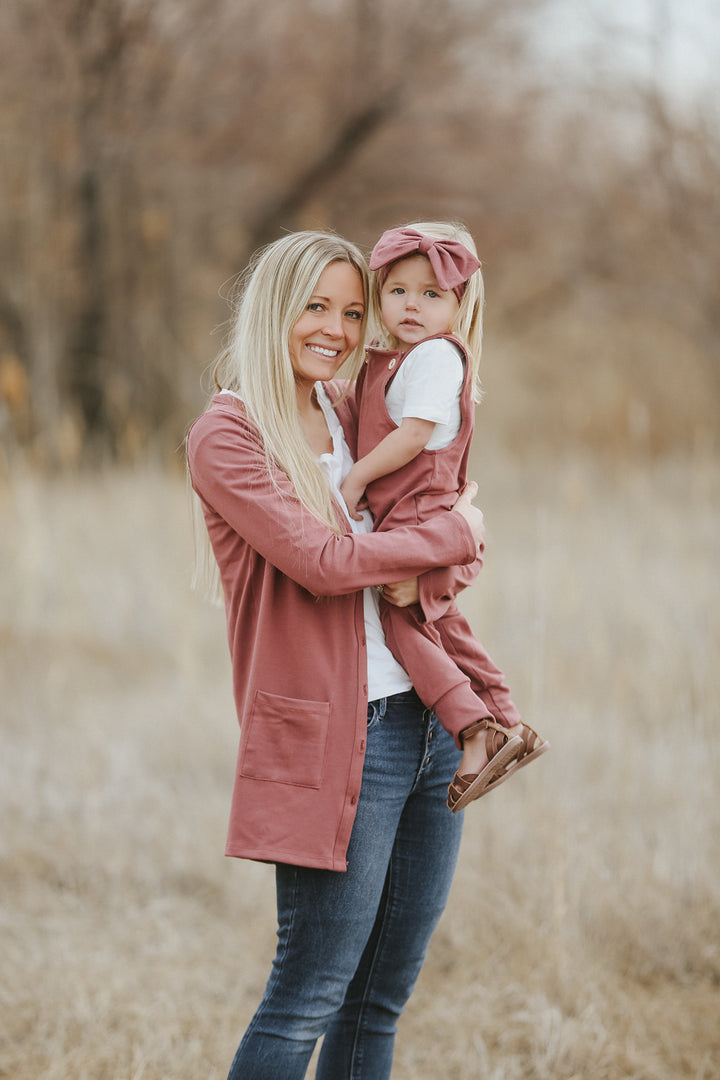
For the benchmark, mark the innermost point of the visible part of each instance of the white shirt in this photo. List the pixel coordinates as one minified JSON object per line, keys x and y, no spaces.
{"x":428,"y":386}
{"x":384,"y":675}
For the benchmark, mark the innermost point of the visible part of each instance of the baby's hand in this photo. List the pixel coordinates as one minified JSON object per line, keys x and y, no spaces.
{"x":354,"y":497}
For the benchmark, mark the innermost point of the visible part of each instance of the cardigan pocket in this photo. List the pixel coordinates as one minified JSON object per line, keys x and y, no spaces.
{"x":285,"y":740}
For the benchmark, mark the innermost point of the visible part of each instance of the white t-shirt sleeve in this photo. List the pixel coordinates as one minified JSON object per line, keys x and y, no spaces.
{"x":428,"y":386}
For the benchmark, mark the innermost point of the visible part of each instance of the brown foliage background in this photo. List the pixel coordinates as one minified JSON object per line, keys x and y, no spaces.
{"x":147,"y":149}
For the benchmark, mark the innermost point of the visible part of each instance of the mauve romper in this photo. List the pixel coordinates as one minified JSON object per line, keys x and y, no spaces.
{"x":450,"y":670}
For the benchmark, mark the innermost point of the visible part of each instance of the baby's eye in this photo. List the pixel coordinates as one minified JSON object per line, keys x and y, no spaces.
{"x":398,"y":290}
{"x":432,"y":294}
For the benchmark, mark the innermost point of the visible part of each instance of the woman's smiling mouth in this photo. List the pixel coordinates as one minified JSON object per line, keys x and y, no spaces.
{"x":322,"y":350}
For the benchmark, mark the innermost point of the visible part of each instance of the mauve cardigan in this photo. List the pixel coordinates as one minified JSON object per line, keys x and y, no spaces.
{"x":293,"y":598}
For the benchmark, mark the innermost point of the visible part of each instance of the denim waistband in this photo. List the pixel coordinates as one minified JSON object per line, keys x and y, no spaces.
{"x":405,"y":696}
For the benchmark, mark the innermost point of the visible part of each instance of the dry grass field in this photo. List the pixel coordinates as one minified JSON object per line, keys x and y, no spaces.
{"x":582,"y":941}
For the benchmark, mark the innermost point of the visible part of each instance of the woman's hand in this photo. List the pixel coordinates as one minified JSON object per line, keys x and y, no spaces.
{"x":472,"y":514}
{"x":402,"y":593}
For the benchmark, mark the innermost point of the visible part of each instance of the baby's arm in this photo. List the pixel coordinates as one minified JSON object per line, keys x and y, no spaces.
{"x":394,"y":451}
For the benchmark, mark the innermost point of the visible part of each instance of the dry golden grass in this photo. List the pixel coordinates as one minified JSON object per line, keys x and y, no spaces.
{"x":581,"y":941}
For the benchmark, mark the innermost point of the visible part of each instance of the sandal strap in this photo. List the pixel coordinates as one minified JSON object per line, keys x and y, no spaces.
{"x":495,"y":735}
{"x":495,"y":738}
{"x":458,"y":787}
{"x":462,"y":783}
{"x":530,"y":739}
{"x":477,"y":725}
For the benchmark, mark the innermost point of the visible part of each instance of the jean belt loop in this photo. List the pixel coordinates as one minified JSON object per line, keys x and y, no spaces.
{"x":382,"y":707}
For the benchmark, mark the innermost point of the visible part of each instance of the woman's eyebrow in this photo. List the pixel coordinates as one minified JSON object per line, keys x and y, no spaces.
{"x":328,"y":299}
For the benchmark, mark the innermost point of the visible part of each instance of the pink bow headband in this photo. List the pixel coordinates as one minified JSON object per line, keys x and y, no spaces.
{"x":451,"y":261}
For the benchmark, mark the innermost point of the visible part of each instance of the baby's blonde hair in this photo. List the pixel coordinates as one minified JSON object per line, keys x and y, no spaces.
{"x":468,"y":323}
{"x":269,"y":299}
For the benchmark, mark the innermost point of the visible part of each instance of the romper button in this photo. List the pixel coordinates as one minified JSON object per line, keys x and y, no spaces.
{"x":391,"y":365}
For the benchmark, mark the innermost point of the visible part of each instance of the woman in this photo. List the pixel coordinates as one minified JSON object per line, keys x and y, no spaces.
{"x":342,"y":774}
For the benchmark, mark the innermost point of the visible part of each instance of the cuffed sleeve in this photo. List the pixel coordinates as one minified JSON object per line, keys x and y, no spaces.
{"x":439,"y":588}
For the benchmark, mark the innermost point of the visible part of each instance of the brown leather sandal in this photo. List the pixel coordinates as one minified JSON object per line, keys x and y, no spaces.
{"x":533,"y":745}
{"x":501,"y":749}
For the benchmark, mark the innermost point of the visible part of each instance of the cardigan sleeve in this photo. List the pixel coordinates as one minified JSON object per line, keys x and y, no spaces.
{"x":439,"y":588}
{"x":229,"y":472}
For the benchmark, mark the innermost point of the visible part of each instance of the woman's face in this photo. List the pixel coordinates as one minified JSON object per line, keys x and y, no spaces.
{"x":329,"y":329}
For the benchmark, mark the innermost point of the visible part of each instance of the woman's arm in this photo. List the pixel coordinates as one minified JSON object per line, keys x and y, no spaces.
{"x":228,"y":470}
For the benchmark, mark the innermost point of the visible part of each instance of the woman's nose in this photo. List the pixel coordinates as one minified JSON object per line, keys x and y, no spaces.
{"x":333,"y":325}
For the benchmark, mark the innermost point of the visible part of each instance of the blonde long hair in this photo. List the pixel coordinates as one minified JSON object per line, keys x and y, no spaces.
{"x":468,"y":323}
{"x":268,"y":300}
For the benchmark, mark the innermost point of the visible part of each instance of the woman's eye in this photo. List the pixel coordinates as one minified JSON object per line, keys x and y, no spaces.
{"x":355,"y":314}
{"x":314,"y":305}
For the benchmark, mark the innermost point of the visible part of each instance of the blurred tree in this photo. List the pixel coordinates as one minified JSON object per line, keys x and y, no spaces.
{"x":88,"y":72}
{"x":148,"y":149}
{"x":147,"y":143}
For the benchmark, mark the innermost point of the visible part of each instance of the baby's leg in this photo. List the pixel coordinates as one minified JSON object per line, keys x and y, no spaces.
{"x":437,"y":680}
{"x":472,"y":658}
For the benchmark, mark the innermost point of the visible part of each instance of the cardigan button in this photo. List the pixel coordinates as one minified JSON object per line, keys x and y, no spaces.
{"x":391,"y":365}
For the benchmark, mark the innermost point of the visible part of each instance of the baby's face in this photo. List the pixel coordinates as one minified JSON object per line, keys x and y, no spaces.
{"x":413,"y":305}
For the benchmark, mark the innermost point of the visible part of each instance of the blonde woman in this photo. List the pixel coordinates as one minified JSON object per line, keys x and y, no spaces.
{"x":341,"y":771}
{"x":416,"y":421}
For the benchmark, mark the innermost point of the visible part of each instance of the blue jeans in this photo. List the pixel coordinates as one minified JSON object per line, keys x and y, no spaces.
{"x":351,"y":945}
